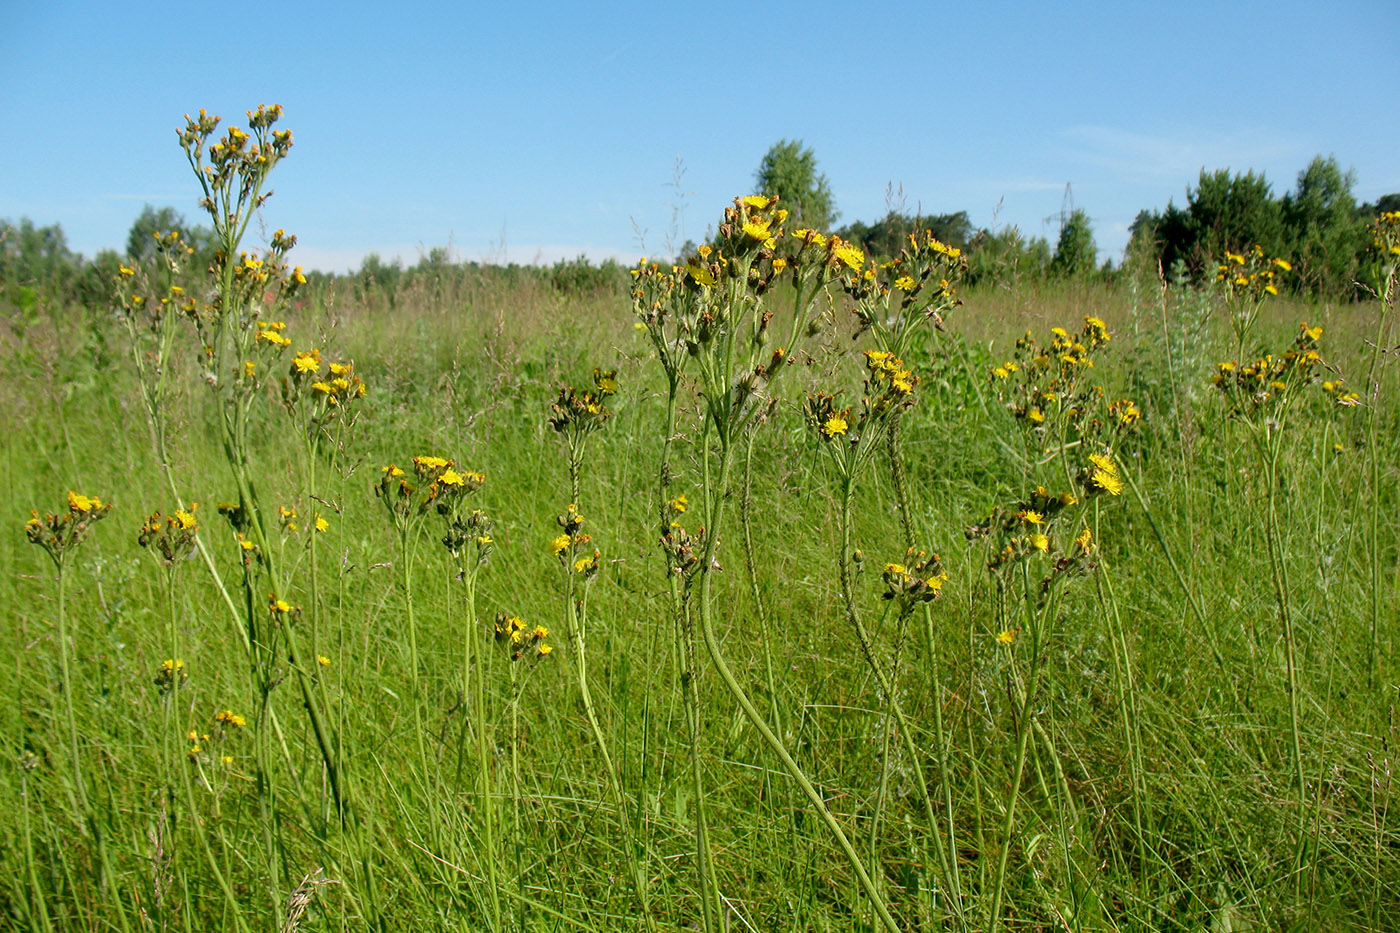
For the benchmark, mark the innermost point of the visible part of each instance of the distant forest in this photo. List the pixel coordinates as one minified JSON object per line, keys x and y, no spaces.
{"x":1319,"y":226}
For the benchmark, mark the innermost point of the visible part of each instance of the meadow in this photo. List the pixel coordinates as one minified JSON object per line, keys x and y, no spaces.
{"x":783,"y":589}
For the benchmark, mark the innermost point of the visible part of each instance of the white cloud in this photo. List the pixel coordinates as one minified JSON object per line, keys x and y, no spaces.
{"x":1154,"y":156}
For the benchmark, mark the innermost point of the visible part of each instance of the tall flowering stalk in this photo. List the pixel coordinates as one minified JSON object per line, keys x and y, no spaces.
{"x":243,"y":336}
{"x":722,"y":322}
{"x":896,"y":303}
{"x":59,"y":534}
{"x":1385,"y":251}
{"x":1261,"y":394}
{"x":575,"y":415}
{"x":850,"y":438}
{"x":1042,"y":540}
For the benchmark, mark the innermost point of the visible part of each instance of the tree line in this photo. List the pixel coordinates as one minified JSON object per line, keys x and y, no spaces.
{"x":1319,"y":226}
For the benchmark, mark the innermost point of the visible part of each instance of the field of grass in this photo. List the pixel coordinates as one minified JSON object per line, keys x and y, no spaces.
{"x":1168,"y":704}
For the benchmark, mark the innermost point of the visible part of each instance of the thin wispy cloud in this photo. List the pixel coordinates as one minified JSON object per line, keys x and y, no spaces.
{"x":1150,"y":157}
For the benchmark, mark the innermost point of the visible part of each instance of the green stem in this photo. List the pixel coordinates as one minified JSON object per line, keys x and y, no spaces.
{"x":714,"y":497}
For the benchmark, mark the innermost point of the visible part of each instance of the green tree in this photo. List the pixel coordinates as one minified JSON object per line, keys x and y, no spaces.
{"x":789,"y":170}
{"x":1075,"y":252}
{"x":1232,"y":212}
{"x":1006,"y":258}
{"x":887,"y":236}
{"x":1324,"y":229}
{"x":34,"y":256}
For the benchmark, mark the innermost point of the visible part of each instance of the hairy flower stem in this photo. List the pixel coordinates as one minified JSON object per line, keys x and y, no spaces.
{"x":715,"y":484}
{"x":711,"y":910}
{"x":406,"y":549}
{"x":894,"y":709}
{"x":952,"y":876}
{"x":575,"y":617}
{"x":476,"y":663}
{"x":1271,"y":449}
{"x":1373,"y":540}
{"x":1035,"y":623}
{"x":1131,"y":712}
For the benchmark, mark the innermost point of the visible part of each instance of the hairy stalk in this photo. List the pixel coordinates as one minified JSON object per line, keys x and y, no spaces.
{"x":1271,"y":449}
{"x":714,"y":499}
{"x":889,"y":693}
{"x":1036,"y":622}
{"x":575,"y":616}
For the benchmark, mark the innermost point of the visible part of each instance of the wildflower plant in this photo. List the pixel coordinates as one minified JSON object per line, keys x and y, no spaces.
{"x":713,"y":309}
{"x":1245,"y":280}
{"x":1262,"y":395}
{"x":58,"y":534}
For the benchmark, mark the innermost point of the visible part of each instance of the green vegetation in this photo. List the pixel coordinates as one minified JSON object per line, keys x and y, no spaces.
{"x":779,"y":589}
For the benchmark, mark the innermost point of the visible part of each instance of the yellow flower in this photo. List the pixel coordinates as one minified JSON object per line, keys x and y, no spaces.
{"x":582,"y":564}
{"x":559,"y":544}
{"x":680,"y":503}
{"x":1083,"y":540}
{"x":757,"y":230}
{"x":229,"y":718}
{"x":451,"y":478}
{"x":307,"y":362}
{"x":1007,"y":637}
{"x":321,"y":524}
{"x":186,"y":520}
{"x":895,"y":568}
{"x":1284,"y":264}
{"x":80,"y":504}
{"x":757,"y":201}
{"x":1104,"y":463}
{"x":850,"y":256}
{"x":1036,"y":416}
{"x":543,"y":650}
{"x":1108,"y":482}
{"x":322,"y":660}
{"x":835,"y":426}
{"x":905,"y":283}
{"x":1039,"y":541}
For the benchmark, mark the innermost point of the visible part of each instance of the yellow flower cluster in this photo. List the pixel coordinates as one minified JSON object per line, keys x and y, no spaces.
{"x":170,"y":675}
{"x":570,"y":545}
{"x":919,"y":579}
{"x":59,"y":532}
{"x":520,"y":640}
{"x":172,"y":536}
{"x":1044,"y":385}
{"x":582,"y":411}
{"x":1250,"y":275}
{"x":1270,"y":381}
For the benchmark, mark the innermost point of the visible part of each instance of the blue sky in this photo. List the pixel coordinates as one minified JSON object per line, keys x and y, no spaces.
{"x":551,"y":129}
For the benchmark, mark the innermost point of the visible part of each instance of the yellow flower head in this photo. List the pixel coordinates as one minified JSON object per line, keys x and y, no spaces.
{"x":757,"y":201}
{"x":560,"y":544}
{"x":1006,"y":637}
{"x":81,"y":505}
{"x":835,"y":426}
{"x":849,"y":256}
